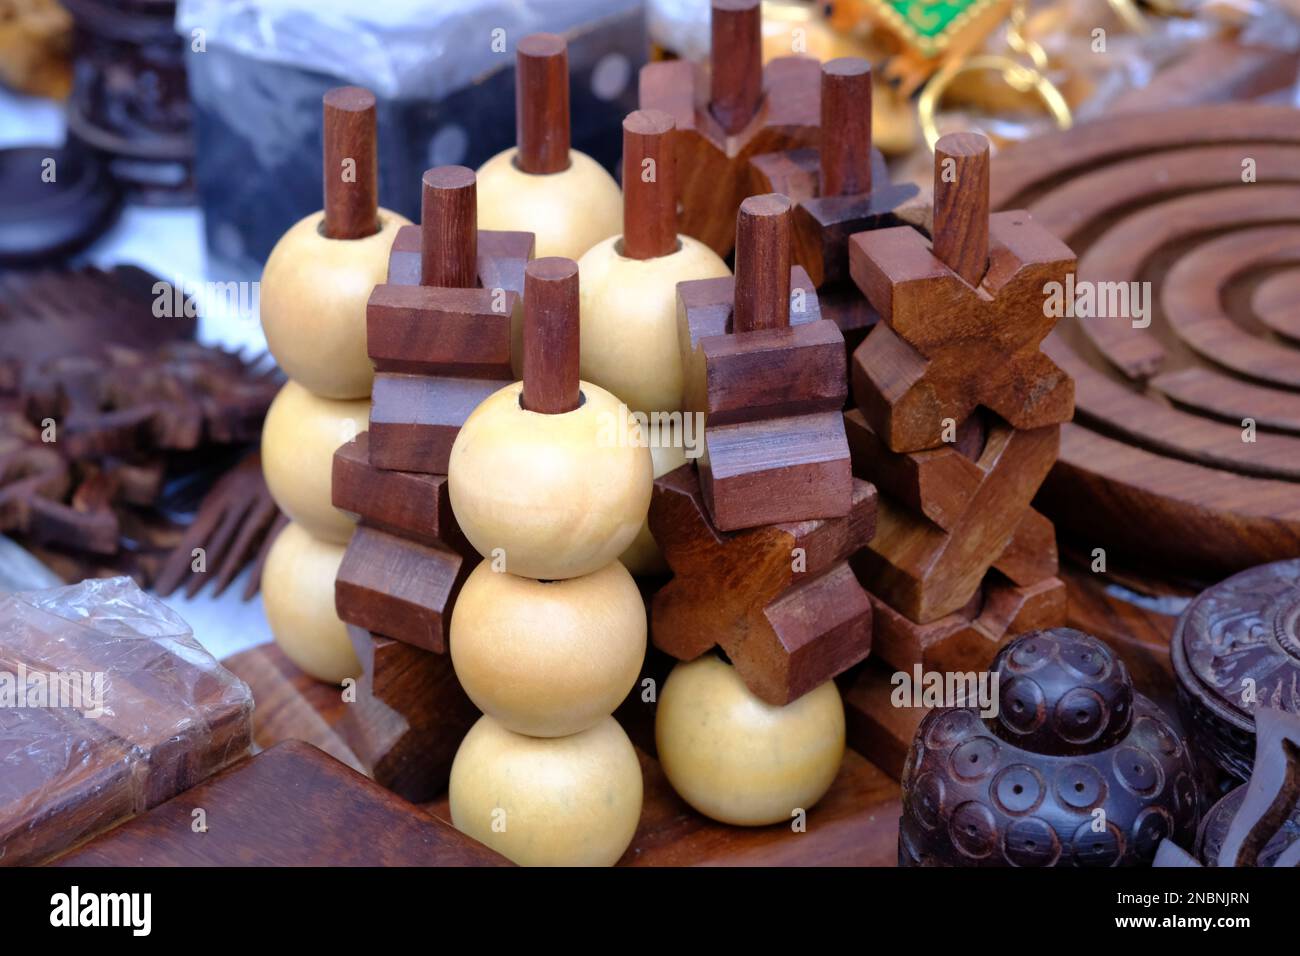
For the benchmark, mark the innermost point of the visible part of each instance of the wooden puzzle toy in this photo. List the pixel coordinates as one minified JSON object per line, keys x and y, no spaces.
{"x":319,"y":275}
{"x":1075,"y":768}
{"x":562,"y":196}
{"x":1180,"y":208}
{"x":771,"y":389}
{"x":781,"y":600}
{"x":742,"y":761}
{"x":741,"y":109}
{"x":549,"y":632}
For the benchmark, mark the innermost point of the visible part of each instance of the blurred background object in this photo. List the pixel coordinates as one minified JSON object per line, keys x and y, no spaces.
{"x":35,"y":44}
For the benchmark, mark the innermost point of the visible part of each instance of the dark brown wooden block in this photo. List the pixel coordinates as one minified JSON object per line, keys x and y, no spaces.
{"x":950,"y":340}
{"x":927,"y":572}
{"x":771,"y":389}
{"x":779,"y":600}
{"x":408,"y":718}
{"x":291,"y":805}
{"x":876,"y":728}
{"x":724,"y":120}
{"x":456,"y":332}
{"x":405,"y":504}
{"x":842,"y":187}
{"x":399,"y":588}
{"x":414,"y":419}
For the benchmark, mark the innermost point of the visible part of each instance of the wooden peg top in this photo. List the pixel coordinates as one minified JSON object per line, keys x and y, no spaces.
{"x":449,"y":228}
{"x":762,"y":298}
{"x":649,"y":185}
{"x":846,"y":127}
{"x":736,"y":62}
{"x":551,"y":336}
{"x":542,"y":104}
{"x":351,"y":171}
{"x":961,"y":204}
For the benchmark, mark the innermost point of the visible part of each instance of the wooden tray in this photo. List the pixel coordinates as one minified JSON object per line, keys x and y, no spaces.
{"x":1155,"y":464}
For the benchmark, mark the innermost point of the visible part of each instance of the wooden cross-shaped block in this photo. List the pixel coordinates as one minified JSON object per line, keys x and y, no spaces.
{"x":947,"y":518}
{"x":770,"y":384}
{"x":963,"y":315}
{"x":441,"y":331}
{"x":409,"y":716}
{"x":738,"y":111}
{"x":780,"y":600}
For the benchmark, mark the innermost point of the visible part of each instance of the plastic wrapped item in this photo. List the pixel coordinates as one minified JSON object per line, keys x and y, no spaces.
{"x":108,"y":706}
{"x":443,"y":74}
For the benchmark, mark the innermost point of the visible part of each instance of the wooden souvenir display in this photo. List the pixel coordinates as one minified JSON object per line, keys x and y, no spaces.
{"x":780,"y":600}
{"x":1236,"y":650}
{"x":963,"y":315}
{"x":541,"y":186}
{"x":441,"y":337}
{"x":291,"y":805}
{"x":1160,"y":464}
{"x":841,"y":187}
{"x":739,"y":111}
{"x":549,"y":642}
{"x":771,"y":390}
{"x":1020,"y":788}
{"x":408,"y":718}
{"x":1257,"y":823}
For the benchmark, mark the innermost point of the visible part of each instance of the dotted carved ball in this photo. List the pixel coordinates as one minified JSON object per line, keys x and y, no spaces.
{"x":1074,"y":769}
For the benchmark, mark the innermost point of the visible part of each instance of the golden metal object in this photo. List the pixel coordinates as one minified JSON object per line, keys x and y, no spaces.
{"x":1019,"y":77}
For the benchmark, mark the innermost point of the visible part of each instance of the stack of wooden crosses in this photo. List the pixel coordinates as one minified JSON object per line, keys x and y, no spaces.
{"x":957,"y":424}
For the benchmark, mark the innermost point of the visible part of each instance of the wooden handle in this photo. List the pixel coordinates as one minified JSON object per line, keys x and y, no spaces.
{"x":542,"y":104}
{"x":649,"y":185}
{"x":351,"y":164}
{"x":846,"y":127}
{"x":736,"y":70}
{"x":551,"y":336}
{"x":961,"y":204}
{"x":449,"y":228}
{"x":762,"y":264}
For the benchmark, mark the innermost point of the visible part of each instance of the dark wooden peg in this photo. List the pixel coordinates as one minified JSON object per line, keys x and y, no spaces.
{"x":846,"y":127}
{"x":961,"y":204}
{"x":649,"y":185}
{"x":551,"y":336}
{"x":449,"y":228}
{"x":762,"y":264}
{"x":542,"y":104}
{"x":736,"y":70}
{"x":351,"y":164}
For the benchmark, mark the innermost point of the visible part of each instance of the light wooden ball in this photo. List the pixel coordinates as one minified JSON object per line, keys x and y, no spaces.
{"x":738,"y":759}
{"x":559,"y":801}
{"x":298,"y":595}
{"x":559,"y":495}
{"x":313,"y":303}
{"x":643,"y":556}
{"x":569,"y":212}
{"x":629,"y":319}
{"x":299,"y":438}
{"x":548,"y":658}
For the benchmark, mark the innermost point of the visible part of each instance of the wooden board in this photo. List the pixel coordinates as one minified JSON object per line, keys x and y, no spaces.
{"x":291,"y":805}
{"x":1202,"y":203}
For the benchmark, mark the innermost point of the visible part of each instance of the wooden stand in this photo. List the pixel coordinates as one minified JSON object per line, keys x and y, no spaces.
{"x":740,"y":111}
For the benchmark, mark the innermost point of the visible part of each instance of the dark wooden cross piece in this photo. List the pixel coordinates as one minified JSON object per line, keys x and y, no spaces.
{"x":963,"y":315}
{"x":738,"y":111}
{"x":769,"y":376}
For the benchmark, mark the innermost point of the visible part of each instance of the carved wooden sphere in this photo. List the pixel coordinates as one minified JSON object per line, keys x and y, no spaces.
{"x":1074,"y":769}
{"x":548,"y":658}
{"x":313,"y":304}
{"x":548,"y":801}
{"x":569,"y":211}
{"x":557,"y":496}
{"x":629,"y":319}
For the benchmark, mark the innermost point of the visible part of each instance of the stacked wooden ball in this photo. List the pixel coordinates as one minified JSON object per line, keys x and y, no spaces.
{"x":313,"y":299}
{"x":549,"y":631}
